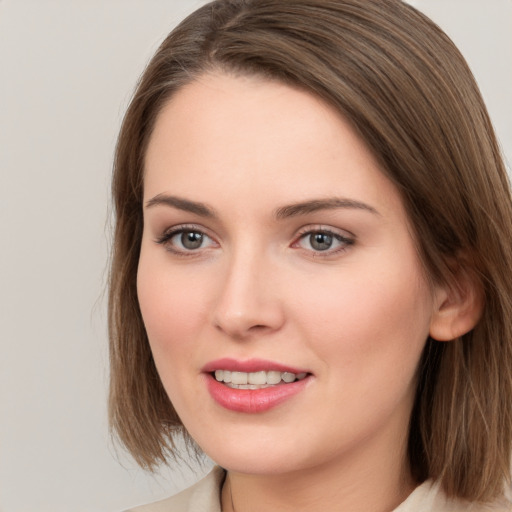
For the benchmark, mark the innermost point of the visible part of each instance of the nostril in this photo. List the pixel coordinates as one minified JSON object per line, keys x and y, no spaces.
{"x":258,"y":327}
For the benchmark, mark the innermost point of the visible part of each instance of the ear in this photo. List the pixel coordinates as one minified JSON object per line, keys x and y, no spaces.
{"x":458,"y":306}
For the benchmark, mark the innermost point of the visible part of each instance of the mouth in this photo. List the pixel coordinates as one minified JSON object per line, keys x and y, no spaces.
{"x":256,"y":380}
{"x":253,"y":386}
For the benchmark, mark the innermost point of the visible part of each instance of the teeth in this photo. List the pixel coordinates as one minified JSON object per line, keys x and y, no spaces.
{"x":257,"y":378}
{"x":239,"y":377}
{"x":273,"y":377}
{"x":254,"y":380}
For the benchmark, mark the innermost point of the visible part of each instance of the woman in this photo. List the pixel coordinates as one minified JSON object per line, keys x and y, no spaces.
{"x":311,"y":269}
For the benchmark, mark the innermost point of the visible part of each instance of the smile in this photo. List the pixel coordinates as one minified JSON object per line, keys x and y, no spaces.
{"x":256,"y":380}
{"x":254,"y":386}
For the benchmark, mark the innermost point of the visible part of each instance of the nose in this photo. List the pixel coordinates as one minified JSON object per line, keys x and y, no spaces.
{"x":248,"y":303}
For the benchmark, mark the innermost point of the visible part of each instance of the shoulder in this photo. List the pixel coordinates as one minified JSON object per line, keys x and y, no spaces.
{"x":204,"y":496}
{"x":428,"y":497}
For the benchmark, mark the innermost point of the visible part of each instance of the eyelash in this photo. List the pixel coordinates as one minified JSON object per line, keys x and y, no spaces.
{"x":169,"y":234}
{"x":309,"y":231}
{"x":345,"y":241}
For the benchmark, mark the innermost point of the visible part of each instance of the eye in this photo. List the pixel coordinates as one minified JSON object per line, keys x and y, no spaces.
{"x":185,"y":240}
{"x":323,"y":241}
{"x":320,"y":241}
{"x":188,"y":240}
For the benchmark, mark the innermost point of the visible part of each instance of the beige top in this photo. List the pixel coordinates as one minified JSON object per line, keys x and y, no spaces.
{"x":205,"y":497}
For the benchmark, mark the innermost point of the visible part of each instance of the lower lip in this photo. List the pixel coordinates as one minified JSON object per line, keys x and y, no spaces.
{"x":253,"y":400}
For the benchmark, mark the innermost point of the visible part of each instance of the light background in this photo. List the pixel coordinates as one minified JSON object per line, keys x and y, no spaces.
{"x":67,"y":69}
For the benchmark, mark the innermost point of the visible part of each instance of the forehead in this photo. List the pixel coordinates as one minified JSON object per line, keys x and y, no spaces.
{"x":236,"y":136}
{"x":242,"y":112}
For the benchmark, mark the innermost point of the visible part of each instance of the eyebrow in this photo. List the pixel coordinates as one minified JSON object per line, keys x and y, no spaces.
{"x":186,"y":205}
{"x":284,"y":212}
{"x":315,"y":205}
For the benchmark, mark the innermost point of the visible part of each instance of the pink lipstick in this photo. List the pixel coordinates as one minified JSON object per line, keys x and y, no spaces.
{"x":254,"y":385}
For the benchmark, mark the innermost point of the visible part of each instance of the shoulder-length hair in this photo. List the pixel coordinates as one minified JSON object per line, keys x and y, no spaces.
{"x":407,"y":91}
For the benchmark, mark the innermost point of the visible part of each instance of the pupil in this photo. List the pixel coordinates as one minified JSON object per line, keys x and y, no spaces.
{"x":321,"y":241}
{"x":191,"y":240}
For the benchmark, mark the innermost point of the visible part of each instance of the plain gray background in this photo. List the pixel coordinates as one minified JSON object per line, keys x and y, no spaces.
{"x":67,"y":69}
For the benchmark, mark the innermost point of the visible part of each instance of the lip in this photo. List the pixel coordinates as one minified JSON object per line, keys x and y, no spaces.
{"x":252,"y":401}
{"x":249,"y":365}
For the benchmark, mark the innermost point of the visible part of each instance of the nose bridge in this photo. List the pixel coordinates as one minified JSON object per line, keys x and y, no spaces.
{"x":248,"y":301}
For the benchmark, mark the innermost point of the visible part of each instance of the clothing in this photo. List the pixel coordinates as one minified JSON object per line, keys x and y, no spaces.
{"x":205,"y":497}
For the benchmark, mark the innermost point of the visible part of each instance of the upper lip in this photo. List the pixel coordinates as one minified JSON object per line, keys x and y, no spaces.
{"x":249,"y":365}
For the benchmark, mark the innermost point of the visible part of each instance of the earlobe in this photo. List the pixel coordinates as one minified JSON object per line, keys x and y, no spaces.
{"x":458,"y":307}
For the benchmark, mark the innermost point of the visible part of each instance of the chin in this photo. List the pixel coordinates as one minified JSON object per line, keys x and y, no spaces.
{"x":266,"y":457}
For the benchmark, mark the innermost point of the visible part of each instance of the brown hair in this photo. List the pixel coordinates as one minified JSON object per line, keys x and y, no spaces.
{"x":408,"y":92}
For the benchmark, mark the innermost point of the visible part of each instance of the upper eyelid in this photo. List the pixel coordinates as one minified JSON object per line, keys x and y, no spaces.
{"x":172,"y":231}
{"x":187,"y":227}
{"x":346,"y":238}
{"x":325,"y":228}
{"x":331,"y":254}
{"x":304,"y":230}
{"x":168,"y":234}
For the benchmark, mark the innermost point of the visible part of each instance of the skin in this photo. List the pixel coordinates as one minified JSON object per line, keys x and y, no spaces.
{"x":355,"y":316}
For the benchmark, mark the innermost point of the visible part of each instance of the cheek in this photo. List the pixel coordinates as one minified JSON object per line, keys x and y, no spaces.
{"x":373,"y":320}
{"x":170,"y":307}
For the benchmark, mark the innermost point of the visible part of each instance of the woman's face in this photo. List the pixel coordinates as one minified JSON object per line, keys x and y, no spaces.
{"x":275,"y":250}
